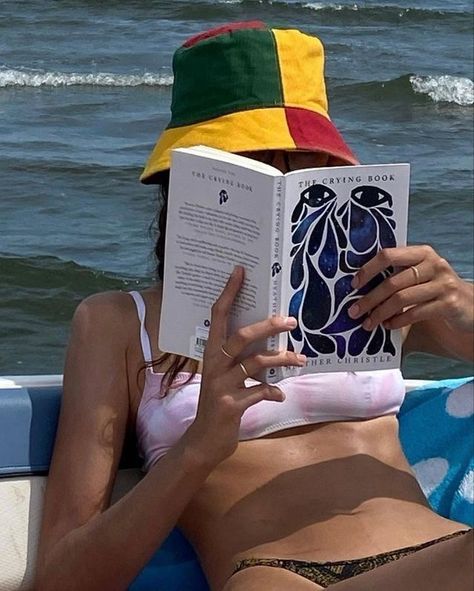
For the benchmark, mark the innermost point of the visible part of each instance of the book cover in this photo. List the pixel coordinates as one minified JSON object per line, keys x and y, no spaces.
{"x":301,"y":237}
{"x":336,"y":220}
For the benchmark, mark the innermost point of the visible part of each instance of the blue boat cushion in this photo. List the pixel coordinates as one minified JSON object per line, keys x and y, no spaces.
{"x":28,"y":422}
{"x":174,"y":567}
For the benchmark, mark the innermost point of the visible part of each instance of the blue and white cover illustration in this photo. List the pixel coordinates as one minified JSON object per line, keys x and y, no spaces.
{"x":335,"y":221}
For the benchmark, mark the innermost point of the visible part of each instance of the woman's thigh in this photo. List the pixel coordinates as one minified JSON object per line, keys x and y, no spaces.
{"x":267,"y":578}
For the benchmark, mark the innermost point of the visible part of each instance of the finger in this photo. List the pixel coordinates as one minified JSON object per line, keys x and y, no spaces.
{"x":414,"y":314}
{"x":412,"y":296}
{"x":221,"y":309}
{"x":250,"y":396}
{"x":253,"y":365}
{"x":246,"y":335}
{"x":402,"y":256}
{"x":388,"y":288}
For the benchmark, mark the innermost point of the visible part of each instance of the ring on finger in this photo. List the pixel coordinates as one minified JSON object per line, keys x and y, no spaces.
{"x":416,"y":273}
{"x":226,"y":353}
{"x":242,"y":367}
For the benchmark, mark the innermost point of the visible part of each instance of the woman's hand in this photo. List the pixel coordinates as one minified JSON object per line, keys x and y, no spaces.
{"x":424,"y":288}
{"x":224,"y":396}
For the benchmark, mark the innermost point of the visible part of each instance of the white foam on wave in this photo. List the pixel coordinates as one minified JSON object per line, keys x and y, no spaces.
{"x":35,"y":78}
{"x":310,"y":5}
{"x":445,"y":89}
{"x":322,"y":6}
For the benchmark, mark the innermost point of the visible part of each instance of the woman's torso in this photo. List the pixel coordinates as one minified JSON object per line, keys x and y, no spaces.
{"x":328,"y":491}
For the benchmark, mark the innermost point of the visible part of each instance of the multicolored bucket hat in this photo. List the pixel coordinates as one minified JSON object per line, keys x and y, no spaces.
{"x":245,"y":87}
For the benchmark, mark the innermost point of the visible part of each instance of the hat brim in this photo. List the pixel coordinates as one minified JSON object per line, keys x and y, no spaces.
{"x":274,"y":128}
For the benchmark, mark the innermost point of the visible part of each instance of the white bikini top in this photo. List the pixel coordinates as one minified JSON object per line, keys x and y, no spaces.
{"x":309,"y":399}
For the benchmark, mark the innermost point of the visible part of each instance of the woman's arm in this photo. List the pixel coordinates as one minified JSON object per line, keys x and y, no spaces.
{"x":82,"y":545}
{"x":438,"y":336}
{"x":426,"y":293}
{"x":86,"y":546}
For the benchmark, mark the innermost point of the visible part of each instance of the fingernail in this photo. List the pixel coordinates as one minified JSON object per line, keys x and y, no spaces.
{"x":354,"y":311}
{"x":235,"y":271}
{"x":301,"y":358}
{"x":355,"y":282}
{"x":291,"y":322}
{"x":367,"y":324}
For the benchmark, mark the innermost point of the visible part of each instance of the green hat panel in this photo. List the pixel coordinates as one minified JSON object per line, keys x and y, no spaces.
{"x":232,"y":72}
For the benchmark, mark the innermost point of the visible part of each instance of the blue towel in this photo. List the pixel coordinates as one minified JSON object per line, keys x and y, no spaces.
{"x":436,"y":430}
{"x":437,"y":435}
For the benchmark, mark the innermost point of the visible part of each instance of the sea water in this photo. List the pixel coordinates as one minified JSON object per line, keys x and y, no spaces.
{"x":85,"y":89}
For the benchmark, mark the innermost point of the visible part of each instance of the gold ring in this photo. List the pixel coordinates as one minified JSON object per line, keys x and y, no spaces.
{"x":417,"y":274}
{"x":226,"y":354}
{"x":242,"y":367}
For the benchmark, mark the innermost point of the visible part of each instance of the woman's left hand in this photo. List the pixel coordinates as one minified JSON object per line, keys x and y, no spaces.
{"x":424,"y":287}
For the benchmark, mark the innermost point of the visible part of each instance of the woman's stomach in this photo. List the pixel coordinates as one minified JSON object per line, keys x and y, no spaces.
{"x":332,"y":491}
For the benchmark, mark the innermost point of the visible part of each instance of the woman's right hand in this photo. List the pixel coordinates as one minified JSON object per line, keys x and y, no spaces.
{"x":224,"y":397}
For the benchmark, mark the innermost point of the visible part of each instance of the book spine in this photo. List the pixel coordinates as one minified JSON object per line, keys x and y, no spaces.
{"x":274,"y":343}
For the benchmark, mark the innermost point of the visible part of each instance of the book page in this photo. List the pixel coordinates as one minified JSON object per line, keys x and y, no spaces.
{"x":337,"y":219}
{"x":219,"y":216}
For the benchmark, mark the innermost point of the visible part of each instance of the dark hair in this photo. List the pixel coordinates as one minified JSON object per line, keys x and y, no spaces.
{"x":178,"y":361}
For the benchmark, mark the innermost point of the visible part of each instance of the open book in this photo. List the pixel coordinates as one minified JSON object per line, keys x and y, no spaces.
{"x":300,"y":236}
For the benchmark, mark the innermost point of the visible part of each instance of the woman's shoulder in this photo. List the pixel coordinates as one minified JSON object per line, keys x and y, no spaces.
{"x":114,"y":313}
{"x":108,"y":314}
{"x":105,"y":305}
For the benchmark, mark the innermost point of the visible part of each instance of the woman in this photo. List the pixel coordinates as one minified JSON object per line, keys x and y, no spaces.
{"x":266,"y":512}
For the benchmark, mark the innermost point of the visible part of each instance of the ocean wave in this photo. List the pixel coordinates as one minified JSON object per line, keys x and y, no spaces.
{"x":378,"y":11}
{"x":445,"y":89}
{"x":39,"y":295}
{"x":335,"y":7}
{"x":56,"y":276}
{"x":413,"y":87}
{"x":377,"y":8}
{"x":56,"y":168}
{"x":37,"y":78}
{"x":440,"y":89}
{"x":321,"y":12}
